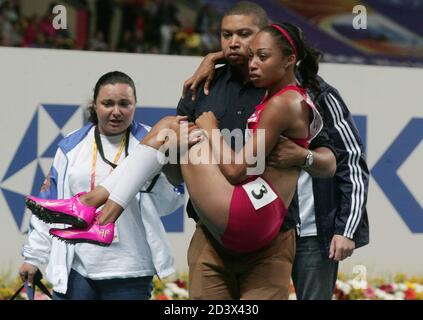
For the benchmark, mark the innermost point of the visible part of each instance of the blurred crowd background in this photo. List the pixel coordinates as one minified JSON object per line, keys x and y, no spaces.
{"x":136,"y":26}
{"x":394,"y":33}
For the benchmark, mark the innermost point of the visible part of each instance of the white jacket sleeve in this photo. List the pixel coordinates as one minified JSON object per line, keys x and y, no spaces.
{"x":36,"y":250}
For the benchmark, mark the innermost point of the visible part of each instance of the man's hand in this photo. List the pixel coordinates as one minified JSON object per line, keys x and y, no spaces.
{"x":27,"y":272}
{"x":286,"y":154}
{"x":187,"y":134}
{"x":207,"y":121}
{"x":341,"y":247}
{"x":205,"y":72}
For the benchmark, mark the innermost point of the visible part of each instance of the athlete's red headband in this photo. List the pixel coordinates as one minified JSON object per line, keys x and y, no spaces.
{"x":288,"y":37}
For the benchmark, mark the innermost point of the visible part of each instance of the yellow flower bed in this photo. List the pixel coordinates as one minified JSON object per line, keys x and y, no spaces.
{"x":401,"y":287}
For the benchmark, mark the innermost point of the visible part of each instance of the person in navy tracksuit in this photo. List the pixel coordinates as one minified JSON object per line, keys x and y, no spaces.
{"x":332,"y":211}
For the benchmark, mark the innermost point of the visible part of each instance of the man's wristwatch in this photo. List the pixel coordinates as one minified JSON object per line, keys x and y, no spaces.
{"x":308,"y":160}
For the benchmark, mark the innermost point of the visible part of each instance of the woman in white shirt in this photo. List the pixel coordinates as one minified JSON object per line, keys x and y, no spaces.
{"x":140,"y":249}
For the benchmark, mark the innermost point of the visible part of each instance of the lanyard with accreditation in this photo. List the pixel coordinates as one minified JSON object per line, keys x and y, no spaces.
{"x":124,"y":144}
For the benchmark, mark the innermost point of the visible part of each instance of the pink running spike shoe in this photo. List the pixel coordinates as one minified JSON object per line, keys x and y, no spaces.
{"x":69,"y":211}
{"x":95,"y":234}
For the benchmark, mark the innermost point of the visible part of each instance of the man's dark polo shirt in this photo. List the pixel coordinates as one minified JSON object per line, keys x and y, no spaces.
{"x":231,"y":100}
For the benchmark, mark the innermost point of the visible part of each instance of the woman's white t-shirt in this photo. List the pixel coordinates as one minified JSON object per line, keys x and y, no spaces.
{"x":129,"y":255}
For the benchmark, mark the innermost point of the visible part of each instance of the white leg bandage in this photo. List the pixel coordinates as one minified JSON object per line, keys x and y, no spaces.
{"x":131,"y":174}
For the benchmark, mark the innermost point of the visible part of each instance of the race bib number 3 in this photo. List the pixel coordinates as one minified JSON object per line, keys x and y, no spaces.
{"x":260,"y":193}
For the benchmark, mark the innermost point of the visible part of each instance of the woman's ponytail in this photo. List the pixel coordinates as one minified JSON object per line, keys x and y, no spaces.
{"x":308,"y":68}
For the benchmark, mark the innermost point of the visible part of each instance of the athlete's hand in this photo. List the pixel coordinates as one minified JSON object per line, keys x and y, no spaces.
{"x":341,"y":247}
{"x":204,"y":73}
{"x":207,"y":121}
{"x":286,"y":154}
{"x":27,"y":272}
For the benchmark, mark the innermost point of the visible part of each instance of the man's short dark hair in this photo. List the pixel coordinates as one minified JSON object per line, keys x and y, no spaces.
{"x":248,"y":8}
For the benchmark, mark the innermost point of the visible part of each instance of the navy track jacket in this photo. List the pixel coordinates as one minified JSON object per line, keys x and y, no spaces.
{"x":340,"y":202}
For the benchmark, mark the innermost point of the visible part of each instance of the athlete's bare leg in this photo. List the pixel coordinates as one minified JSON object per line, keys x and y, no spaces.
{"x":100,"y":195}
{"x":208,"y":188}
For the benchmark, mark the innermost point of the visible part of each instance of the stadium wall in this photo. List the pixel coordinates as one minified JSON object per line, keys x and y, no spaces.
{"x":43,"y":93}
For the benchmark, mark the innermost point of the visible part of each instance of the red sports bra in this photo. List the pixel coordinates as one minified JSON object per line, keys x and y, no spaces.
{"x":315,"y":126}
